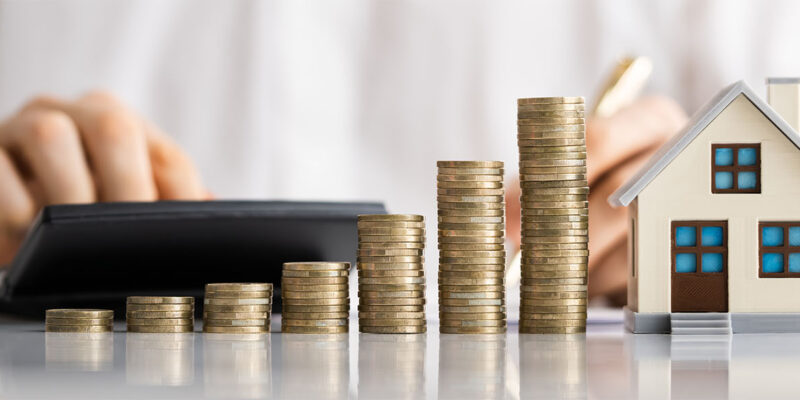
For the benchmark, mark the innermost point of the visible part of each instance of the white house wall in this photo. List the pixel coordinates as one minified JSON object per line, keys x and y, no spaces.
{"x":682,"y":191}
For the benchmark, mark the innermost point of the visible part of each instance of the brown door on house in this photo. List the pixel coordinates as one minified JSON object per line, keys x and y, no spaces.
{"x":699,"y":266}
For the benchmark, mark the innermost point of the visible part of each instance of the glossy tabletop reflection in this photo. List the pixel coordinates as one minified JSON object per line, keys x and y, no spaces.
{"x":606,"y":363}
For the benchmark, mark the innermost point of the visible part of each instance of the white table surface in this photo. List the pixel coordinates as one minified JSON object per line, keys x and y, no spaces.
{"x":606,"y":363}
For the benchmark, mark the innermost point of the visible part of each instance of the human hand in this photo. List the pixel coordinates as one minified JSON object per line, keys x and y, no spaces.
{"x":55,"y":151}
{"x":617,"y":147}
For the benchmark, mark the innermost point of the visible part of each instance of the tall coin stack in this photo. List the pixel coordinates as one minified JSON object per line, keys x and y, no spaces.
{"x":391,"y":279}
{"x":78,"y":320}
{"x":472,"y":256}
{"x":237,"y":308}
{"x":555,"y":192}
{"x":157,"y":314}
{"x":316,"y":297}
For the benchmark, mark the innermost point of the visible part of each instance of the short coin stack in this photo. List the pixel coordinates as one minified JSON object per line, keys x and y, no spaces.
{"x":237,"y":308}
{"x":552,"y":151}
{"x":316,"y":297}
{"x":391,"y":279}
{"x":78,"y":320}
{"x":160,"y":314}
{"x":472,"y":256}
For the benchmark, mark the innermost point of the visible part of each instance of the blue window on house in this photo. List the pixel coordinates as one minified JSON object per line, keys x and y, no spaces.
{"x":700,"y":247}
{"x":736,"y":168}
{"x":779,"y":249}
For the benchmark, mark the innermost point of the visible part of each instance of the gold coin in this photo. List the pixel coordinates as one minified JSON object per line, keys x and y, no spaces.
{"x":549,"y":143}
{"x":236,"y":322}
{"x":464,"y":330}
{"x":317,"y":302}
{"x":159,"y":314}
{"x":537,"y":185}
{"x":469,"y":185}
{"x":472,"y":260}
{"x":476,"y":316}
{"x":552,"y":330}
{"x":469,"y":178}
{"x":554,"y":129}
{"x":471,"y":267}
{"x":390,"y":245}
{"x":540,"y":171}
{"x":391,"y":232}
{"x":314,"y":288}
{"x":389,"y":239}
{"x":554,"y":253}
{"x":391,"y":322}
{"x":562,"y":294}
{"x":472,"y":274}
{"x":258,"y":287}
{"x":391,"y":294}
{"x":534,"y":304}
{"x":555,"y":204}
{"x":534,"y":153}
{"x":554,"y":246}
{"x":478,"y":205}
{"x":472,"y":239}
{"x":470,"y":213}
{"x":470,"y":281}
{"x":472,"y":227}
{"x":367,"y":273}
{"x":160,"y":307}
{"x":472,"y":309}
{"x":287,"y":294}
{"x":79,"y":328}
{"x":472,"y":253}
{"x":536,"y":134}
{"x":391,"y":301}
{"x":315,"y":315}
{"x":552,"y":322}
{"x":160,"y":300}
{"x":492,"y":199}
{"x":390,"y":315}
{"x":160,"y":321}
{"x":382,"y":308}
{"x":291,"y":308}
{"x":470,"y":171}
{"x":549,"y":100}
{"x":236,"y":302}
{"x":389,"y":252}
{"x":553,"y":239}
{"x":471,"y":247}
{"x":392,"y":329}
{"x":78,"y":321}
{"x":530,"y":268}
{"x":497,"y":221}
{"x":551,"y":121}
{"x":236,"y":329}
{"x":538,"y":289}
{"x":554,"y":218}
{"x":387,"y":287}
{"x":470,"y":164}
{"x":232,"y":294}
{"x":316,"y":266}
{"x":553,"y":281}
{"x":161,"y":328}
{"x":391,"y":280}
{"x":555,"y":260}
{"x":392,"y":224}
{"x":496,"y":323}
{"x":390,"y":217}
{"x":553,"y":163}
{"x":317,"y":330}
{"x":214,"y":308}
{"x":467,"y":292}
{"x":551,"y":178}
{"x":390,"y":266}
{"x":554,"y":274}
{"x":555,"y":225}
{"x":314,"y":274}
{"x":459,"y":192}
{"x":78,"y":313}
{"x":556,"y":114}
{"x":314,"y":281}
{"x":553,"y":309}
{"x":236,"y":315}
{"x":553,"y":106}
{"x":470,"y":233}
{"x":471,"y":302}
{"x":391,"y":259}
{"x":313,"y":322}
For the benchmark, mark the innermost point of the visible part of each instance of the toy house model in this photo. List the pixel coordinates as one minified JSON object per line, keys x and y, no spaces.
{"x":715,"y":220}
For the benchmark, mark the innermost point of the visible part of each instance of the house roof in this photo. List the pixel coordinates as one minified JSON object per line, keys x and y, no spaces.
{"x":627,"y":192}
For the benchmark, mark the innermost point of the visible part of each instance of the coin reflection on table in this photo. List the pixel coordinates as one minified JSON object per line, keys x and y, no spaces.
{"x":159,"y":359}
{"x":79,"y":351}
{"x":237,"y":366}
{"x":552,"y":366}
{"x":314,"y":366}
{"x":472,"y":366}
{"x":391,"y":366}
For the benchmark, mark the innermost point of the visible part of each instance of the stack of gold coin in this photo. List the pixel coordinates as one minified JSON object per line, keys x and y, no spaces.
{"x":391,"y":279}
{"x":472,"y":256}
{"x":237,"y":308}
{"x":316,"y":297}
{"x":160,"y":314}
{"x":555,"y":192}
{"x":78,"y":320}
